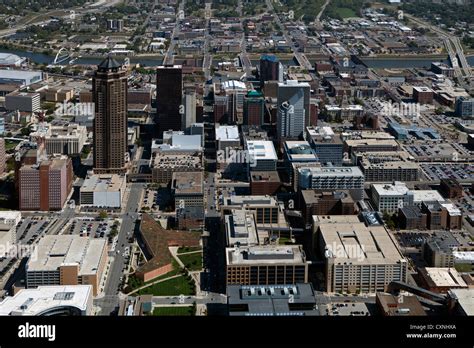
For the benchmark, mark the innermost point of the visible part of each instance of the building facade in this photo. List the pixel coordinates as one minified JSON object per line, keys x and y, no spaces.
{"x":109,"y":87}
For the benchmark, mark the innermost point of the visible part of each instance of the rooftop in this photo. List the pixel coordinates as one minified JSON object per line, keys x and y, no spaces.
{"x":36,"y":301}
{"x":272,"y":300}
{"x":104,"y":183}
{"x":444,"y":277}
{"x":241,"y":228}
{"x":464,"y":298}
{"x":261,"y":150}
{"x":227,"y":133}
{"x":333,"y":171}
{"x":265,"y":254}
{"x":188,"y":183}
{"x":359,"y":244}
{"x":396,"y":189}
{"x":54,"y":251}
{"x":426,"y":196}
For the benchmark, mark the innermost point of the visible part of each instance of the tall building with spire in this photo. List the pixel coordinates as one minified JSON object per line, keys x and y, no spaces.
{"x":109,"y":90}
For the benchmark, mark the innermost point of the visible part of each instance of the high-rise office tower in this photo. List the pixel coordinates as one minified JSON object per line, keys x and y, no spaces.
{"x":254,"y":108}
{"x":270,"y":69}
{"x":109,"y":89}
{"x":293,"y":108}
{"x":169,"y":97}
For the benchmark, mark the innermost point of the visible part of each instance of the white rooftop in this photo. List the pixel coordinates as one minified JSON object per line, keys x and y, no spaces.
{"x":234,"y":85}
{"x":396,"y":189}
{"x":36,"y":301}
{"x":465,"y":298}
{"x":227,"y":133}
{"x":261,"y":150}
{"x":426,"y":196}
{"x":445,"y":277}
{"x":54,"y":251}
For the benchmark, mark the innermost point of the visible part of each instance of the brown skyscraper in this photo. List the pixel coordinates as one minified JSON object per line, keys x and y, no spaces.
{"x":169,"y":97}
{"x":109,"y":90}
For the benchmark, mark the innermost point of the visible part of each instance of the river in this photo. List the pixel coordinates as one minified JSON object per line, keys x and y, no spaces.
{"x":389,"y":63}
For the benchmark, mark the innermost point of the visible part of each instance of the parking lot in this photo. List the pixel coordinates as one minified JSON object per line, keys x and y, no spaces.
{"x":437,"y":152}
{"x":347,"y":309}
{"x":91,"y":227}
{"x":461,"y":171}
{"x":412,"y":239}
{"x":31,"y":228}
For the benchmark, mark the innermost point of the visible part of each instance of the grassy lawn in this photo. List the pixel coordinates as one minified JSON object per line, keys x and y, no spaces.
{"x":345,"y":12}
{"x":193,"y":261}
{"x":10,"y":144}
{"x":173,"y":311}
{"x":173,"y":287}
{"x":188,"y":249}
{"x":135,"y":283}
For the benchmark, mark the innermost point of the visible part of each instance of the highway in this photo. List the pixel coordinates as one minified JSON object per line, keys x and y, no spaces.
{"x":456,"y":55}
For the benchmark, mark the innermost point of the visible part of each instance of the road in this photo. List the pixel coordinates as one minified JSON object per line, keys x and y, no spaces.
{"x":300,"y":57}
{"x":169,"y":57}
{"x":207,"y":61}
{"x":110,"y":300}
{"x":35,"y":20}
{"x":458,"y":59}
{"x":323,"y":8}
{"x":211,"y":297}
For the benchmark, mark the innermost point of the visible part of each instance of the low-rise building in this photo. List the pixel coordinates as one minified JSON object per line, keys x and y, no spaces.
{"x":266,"y":265}
{"x":438,"y":250}
{"x":67,"y":260}
{"x":241,"y":229}
{"x":264,"y":183}
{"x":327,"y":145}
{"x":23,"y":101}
{"x":360,"y":258}
{"x":272,"y":300}
{"x":57,"y":300}
{"x":387,"y":167}
{"x":333,"y":178}
{"x":325,"y":203}
{"x":188,"y":189}
{"x":65,"y":140}
{"x":103,"y":191}
{"x":262,"y":156}
{"x":440,"y":280}
{"x":401,"y":306}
